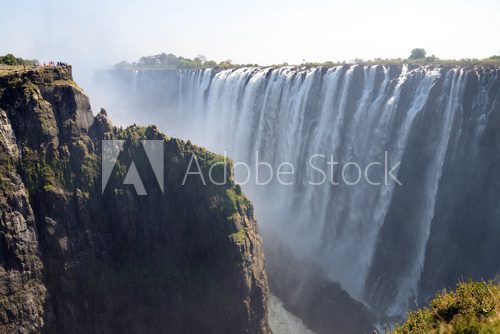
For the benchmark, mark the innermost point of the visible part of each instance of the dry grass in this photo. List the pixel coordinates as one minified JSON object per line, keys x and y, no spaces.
{"x":473,"y":308}
{"x":8,"y":69}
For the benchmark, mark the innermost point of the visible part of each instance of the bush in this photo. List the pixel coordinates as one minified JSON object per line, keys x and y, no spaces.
{"x":474,"y":307}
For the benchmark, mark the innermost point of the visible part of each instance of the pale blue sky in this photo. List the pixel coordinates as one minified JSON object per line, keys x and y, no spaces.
{"x":89,"y":34}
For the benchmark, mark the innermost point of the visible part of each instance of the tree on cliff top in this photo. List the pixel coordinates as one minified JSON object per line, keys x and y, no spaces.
{"x":417,"y":53}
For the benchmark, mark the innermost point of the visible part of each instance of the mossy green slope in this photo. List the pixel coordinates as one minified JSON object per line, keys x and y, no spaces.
{"x":473,"y":308}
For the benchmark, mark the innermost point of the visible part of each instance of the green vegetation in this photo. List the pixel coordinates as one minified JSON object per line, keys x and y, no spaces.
{"x":239,"y":236}
{"x":10,"y":59}
{"x":417,"y":53}
{"x":418,"y":56}
{"x":429,"y":60}
{"x":171,"y":61}
{"x":7,"y":166}
{"x":474,"y":308}
{"x":66,"y":82}
{"x":202,"y":256}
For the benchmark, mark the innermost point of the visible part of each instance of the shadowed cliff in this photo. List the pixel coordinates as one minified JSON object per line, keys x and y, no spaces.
{"x":74,"y":259}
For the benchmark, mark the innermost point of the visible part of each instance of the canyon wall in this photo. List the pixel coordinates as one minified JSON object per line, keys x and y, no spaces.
{"x":79,"y":258}
{"x":387,"y":244}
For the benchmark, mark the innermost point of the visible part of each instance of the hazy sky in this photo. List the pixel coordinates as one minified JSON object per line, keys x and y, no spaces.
{"x":98,"y":33}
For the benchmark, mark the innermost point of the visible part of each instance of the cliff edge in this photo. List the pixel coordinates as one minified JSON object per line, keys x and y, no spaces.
{"x":78,"y":258}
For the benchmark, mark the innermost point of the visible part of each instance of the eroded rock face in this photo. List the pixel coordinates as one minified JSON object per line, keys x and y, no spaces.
{"x":306,"y":291}
{"x":22,"y":292}
{"x":184,"y":260}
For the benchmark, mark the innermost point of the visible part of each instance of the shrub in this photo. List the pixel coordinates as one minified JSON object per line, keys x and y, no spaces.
{"x":474,"y":307}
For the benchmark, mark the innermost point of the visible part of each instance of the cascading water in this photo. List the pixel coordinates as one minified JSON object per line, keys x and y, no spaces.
{"x":387,"y":243}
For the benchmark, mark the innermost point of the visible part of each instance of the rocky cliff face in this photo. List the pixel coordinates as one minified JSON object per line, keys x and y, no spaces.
{"x":387,"y":245}
{"x":74,"y":259}
{"x":306,"y":291}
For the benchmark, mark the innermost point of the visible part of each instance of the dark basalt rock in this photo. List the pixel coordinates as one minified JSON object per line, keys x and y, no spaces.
{"x":74,"y":259}
{"x":306,"y":291}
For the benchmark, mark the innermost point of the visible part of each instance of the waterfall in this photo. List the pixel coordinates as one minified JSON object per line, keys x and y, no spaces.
{"x":383,"y":243}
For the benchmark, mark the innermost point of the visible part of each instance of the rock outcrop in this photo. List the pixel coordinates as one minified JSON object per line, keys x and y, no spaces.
{"x":307,"y":292}
{"x":74,"y":259}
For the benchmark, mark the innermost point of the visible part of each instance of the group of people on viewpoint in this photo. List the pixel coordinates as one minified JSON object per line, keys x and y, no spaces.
{"x":59,"y":63}
{"x":50,"y":64}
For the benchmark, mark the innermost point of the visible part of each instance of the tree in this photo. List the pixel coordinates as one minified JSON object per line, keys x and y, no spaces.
{"x":123,"y":64}
{"x":210,"y":63}
{"x":417,"y":54}
{"x":8,"y":59}
{"x":226,"y":63}
{"x":431,"y":59}
{"x":148,"y":61}
{"x":201,"y":58}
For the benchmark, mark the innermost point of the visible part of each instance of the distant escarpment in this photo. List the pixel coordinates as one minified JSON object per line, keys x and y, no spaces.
{"x":76,"y":259}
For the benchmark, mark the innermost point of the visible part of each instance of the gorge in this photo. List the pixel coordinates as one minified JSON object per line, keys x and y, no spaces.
{"x":249,"y":167}
{"x":390,"y":246}
{"x":80,"y":254}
